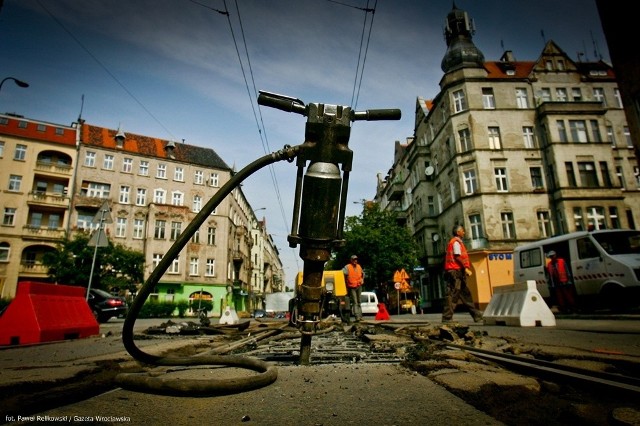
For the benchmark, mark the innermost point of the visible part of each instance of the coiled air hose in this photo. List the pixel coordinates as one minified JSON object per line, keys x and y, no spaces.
{"x":194,"y":387}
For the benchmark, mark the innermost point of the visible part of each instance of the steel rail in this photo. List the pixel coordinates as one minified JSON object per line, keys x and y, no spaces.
{"x":618,"y":381}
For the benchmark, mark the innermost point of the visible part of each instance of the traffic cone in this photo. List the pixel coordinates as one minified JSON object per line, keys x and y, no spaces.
{"x":383,"y":314}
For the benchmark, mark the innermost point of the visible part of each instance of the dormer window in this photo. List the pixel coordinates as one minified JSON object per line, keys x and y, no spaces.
{"x":119,"y":138}
{"x":170,"y":148}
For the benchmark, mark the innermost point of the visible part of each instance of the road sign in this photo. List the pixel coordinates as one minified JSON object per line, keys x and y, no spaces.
{"x":397,"y":286}
{"x":98,"y":239}
{"x":103,"y":215}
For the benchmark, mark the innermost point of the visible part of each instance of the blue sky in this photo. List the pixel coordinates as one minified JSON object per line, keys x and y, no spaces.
{"x":170,"y":69}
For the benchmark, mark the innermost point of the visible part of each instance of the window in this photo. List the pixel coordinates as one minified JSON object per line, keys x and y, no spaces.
{"x":107,"y":163}
{"x":571,"y":176}
{"x":125,"y":191}
{"x":476,"y":226}
{"x":459,"y":101}
{"x":522,"y":101}
{"x":95,"y":189}
{"x":159,"y":196}
{"x":548,"y":65}
{"x":545,"y":94}
{"x":470,"y":182}
{"x":465,"y":140}
{"x":178,"y":174}
{"x":508,"y":225}
{"x":20,"y":153}
{"x":616,"y":94}
{"x":578,"y":221}
{"x":1,"y":149}
{"x":488,"y":100}
{"x":576,"y":94}
{"x":620,"y":176}
{"x":627,"y":136}
{"x":527,"y":135}
{"x":36,"y":220}
{"x":598,"y":95}
{"x":494,"y":138}
{"x":578,"y":129}
{"x":562,"y":131}
{"x":195,"y":238}
{"x":54,"y":221}
{"x":138,"y":229}
{"x":595,"y":131}
{"x":127,"y":165}
{"x":604,"y":171}
{"x":561,"y":94}
{"x":177,"y":198}
{"x":544,"y":223}
{"x":211,"y":236}
{"x":144,"y":168}
{"x":9,"y":216}
{"x":588,"y":176}
{"x":121,"y":227}
{"x":210,"y":268}
{"x":193,"y":266}
{"x":595,"y":217}
{"x":613,"y":217}
{"x":175,"y":266}
{"x":198,"y":177}
{"x":197,"y":204}
{"x":141,"y":197}
{"x":536,"y":177}
{"x":611,"y":137}
{"x":4,"y":252}
{"x":159,"y":229}
{"x":214,"y":180}
{"x":90,"y":159}
{"x":161,"y":172}
{"x":560,"y":65}
{"x":176,"y":228}
{"x":431,"y":205}
{"x":15,"y":182}
{"x":157,"y":257}
{"x":500,"y":175}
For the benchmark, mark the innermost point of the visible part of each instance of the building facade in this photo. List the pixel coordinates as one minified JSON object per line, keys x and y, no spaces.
{"x":515,"y":151}
{"x":153,"y":188}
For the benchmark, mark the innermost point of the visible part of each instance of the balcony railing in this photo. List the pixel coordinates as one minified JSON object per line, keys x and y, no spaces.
{"x":33,"y":268}
{"x":48,"y":198}
{"x":42,"y":233}
{"x":57,"y":169}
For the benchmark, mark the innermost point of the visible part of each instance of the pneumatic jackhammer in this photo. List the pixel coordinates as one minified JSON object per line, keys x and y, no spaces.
{"x":320,"y":196}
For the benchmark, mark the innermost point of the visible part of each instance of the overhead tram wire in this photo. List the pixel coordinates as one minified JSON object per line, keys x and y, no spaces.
{"x":104,"y":67}
{"x":357,"y":83}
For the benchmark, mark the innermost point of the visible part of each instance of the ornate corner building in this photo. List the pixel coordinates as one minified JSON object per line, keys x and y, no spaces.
{"x":515,"y":151}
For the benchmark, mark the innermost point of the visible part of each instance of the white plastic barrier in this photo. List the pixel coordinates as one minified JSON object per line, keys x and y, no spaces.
{"x":229,"y":316}
{"x":519,"y":304}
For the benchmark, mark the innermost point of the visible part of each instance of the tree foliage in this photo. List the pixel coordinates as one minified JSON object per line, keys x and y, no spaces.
{"x":116,"y":267}
{"x":381,"y":244}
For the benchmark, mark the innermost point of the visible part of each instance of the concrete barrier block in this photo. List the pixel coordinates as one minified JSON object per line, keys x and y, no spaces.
{"x":519,"y":304}
{"x":229,"y":316}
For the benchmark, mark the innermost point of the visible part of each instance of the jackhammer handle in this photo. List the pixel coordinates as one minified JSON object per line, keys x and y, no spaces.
{"x":281,"y":102}
{"x":377,"y":114}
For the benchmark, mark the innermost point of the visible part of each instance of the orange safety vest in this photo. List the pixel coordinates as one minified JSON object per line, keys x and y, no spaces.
{"x":560,"y":271}
{"x":354,"y":276}
{"x":450,"y":260}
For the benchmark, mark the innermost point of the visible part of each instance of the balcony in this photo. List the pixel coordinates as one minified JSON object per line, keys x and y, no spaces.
{"x":84,"y":201}
{"x":54,"y":169}
{"x":47,"y":199}
{"x":396,"y":191}
{"x":573,"y":108}
{"x":42,"y":233}
{"x":33,"y":268}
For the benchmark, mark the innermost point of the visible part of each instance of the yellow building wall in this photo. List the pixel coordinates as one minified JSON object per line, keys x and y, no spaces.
{"x":490,"y":270}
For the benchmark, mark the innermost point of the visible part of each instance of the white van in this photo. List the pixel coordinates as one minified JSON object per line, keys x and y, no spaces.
{"x":369,"y":303}
{"x":605,"y":265}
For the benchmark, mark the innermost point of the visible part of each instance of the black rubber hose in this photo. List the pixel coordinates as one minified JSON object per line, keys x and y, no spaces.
{"x":190,"y":387}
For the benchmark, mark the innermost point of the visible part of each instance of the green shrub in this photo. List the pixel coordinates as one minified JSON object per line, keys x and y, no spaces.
{"x":182,"y":306}
{"x":157,"y":310}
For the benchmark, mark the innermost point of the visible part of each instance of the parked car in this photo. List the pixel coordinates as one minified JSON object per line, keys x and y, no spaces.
{"x":369,"y":303}
{"x":105,"y":305}
{"x":259,"y":313}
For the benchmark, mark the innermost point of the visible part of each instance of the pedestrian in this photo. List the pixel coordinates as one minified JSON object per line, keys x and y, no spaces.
{"x":456,"y":270}
{"x":354,"y":276}
{"x":560,"y":283}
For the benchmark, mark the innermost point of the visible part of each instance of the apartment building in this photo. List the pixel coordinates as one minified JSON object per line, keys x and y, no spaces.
{"x":36,"y":171}
{"x":58,"y":178}
{"x":515,"y":151}
{"x":267,"y":273}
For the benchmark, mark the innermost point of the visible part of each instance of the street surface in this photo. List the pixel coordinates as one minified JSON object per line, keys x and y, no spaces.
{"x":384,"y":394}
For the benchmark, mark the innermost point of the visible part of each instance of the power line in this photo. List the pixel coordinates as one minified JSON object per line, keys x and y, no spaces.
{"x":357,"y":83}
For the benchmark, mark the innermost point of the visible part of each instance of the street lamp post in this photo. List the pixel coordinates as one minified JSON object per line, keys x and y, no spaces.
{"x":20,"y":83}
